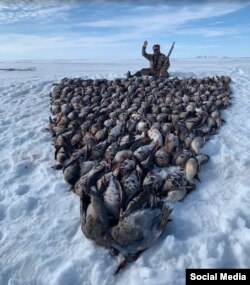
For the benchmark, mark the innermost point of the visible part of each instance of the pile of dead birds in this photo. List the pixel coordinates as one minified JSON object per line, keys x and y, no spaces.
{"x":128,"y":147}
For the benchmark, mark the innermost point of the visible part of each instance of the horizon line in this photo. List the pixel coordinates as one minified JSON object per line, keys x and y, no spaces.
{"x":113,"y":59}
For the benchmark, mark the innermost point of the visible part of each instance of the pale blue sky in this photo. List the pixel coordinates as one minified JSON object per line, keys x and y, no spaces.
{"x":116,"y":29}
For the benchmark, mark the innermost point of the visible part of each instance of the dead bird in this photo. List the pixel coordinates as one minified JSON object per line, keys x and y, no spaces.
{"x":153,"y":182}
{"x":111,"y":152}
{"x":171,"y":142}
{"x":82,"y":184}
{"x":191,"y":169}
{"x":113,"y":197}
{"x":177,"y":194}
{"x":139,"y":231}
{"x":142,"y":126}
{"x":196,"y":144}
{"x":181,"y":156}
{"x":162,"y":157}
{"x":124,"y":168}
{"x":94,"y":219}
{"x":126,"y":142}
{"x":174,"y":180}
{"x":98,"y":150}
{"x":140,"y":142}
{"x":143,"y":152}
{"x":130,"y":185}
{"x":122,"y":155}
{"x":86,"y":166}
{"x":115,"y":132}
{"x":71,"y":172}
{"x":156,"y":136}
{"x":202,"y":159}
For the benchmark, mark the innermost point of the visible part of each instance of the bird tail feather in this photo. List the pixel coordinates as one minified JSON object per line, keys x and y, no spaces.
{"x":164,"y":219}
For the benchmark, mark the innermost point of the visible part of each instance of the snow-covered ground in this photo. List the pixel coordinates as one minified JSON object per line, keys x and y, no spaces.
{"x":40,"y":237}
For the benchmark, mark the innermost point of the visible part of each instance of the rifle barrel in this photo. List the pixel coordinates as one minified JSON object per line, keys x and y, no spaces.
{"x":171,"y":49}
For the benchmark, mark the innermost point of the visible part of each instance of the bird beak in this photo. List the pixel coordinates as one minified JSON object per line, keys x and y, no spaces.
{"x":122,"y":265}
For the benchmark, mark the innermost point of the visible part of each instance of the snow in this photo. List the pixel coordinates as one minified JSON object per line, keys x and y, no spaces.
{"x":40,"y":237}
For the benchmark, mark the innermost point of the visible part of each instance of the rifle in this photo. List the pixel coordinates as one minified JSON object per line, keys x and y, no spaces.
{"x":171,"y":49}
{"x":166,"y":64}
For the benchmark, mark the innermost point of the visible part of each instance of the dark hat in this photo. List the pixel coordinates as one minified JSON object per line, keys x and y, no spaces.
{"x":156,"y":46}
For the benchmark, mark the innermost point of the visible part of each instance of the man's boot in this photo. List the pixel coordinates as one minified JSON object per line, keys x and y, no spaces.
{"x":129,"y":74}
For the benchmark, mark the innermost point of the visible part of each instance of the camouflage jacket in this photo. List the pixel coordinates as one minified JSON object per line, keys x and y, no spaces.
{"x":156,"y":63}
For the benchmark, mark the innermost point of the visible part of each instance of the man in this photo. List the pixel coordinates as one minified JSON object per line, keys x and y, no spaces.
{"x":159,"y":63}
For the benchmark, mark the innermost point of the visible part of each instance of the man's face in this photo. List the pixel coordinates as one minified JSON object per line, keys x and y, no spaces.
{"x":156,"y":50}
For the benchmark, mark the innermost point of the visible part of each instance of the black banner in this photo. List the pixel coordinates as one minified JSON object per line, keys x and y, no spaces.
{"x":223,"y":276}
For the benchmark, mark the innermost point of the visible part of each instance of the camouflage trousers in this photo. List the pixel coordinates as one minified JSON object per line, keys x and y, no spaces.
{"x":151,"y":72}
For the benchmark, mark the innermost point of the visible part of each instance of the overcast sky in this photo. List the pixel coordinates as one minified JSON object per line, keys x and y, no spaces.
{"x":74,"y":29}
